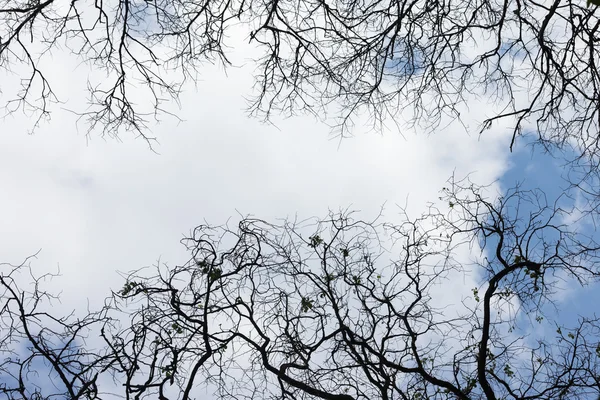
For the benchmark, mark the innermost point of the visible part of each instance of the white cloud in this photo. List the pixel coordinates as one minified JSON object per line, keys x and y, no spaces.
{"x":103,"y":206}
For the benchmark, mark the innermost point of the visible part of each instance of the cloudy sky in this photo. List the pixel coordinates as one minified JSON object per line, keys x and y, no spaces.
{"x":98,"y":206}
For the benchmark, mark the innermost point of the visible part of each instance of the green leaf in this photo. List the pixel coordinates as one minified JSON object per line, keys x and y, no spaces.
{"x":315,"y":240}
{"x":128,"y":287}
{"x":215,"y":274}
{"x":306,"y":304}
{"x":476,"y":294}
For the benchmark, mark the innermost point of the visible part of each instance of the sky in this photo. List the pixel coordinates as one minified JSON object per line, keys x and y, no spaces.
{"x":534,"y":169}
{"x":96,"y":206}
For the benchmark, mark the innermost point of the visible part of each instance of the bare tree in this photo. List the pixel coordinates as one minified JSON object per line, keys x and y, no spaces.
{"x":42,"y":355}
{"x":537,"y":61}
{"x":337,"y":308}
{"x":300,"y":310}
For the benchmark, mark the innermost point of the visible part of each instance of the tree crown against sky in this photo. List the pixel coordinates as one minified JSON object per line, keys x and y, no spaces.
{"x":403,"y":61}
{"x":290,"y":310}
{"x":337,"y":308}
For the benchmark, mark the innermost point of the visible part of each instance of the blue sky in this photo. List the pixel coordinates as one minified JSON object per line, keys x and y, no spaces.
{"x":534,"y":169}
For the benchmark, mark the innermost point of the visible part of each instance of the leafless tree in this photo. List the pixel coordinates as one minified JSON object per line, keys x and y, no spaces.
{"x":537,"y":61}
{"x":42,"y":355}
{"x":299,"y":310}
{"x":337,"y":308}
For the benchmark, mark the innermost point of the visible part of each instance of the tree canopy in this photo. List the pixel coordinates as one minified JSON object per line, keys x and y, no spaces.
{"x":335,"y":308}
{"x":537,"y":61}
